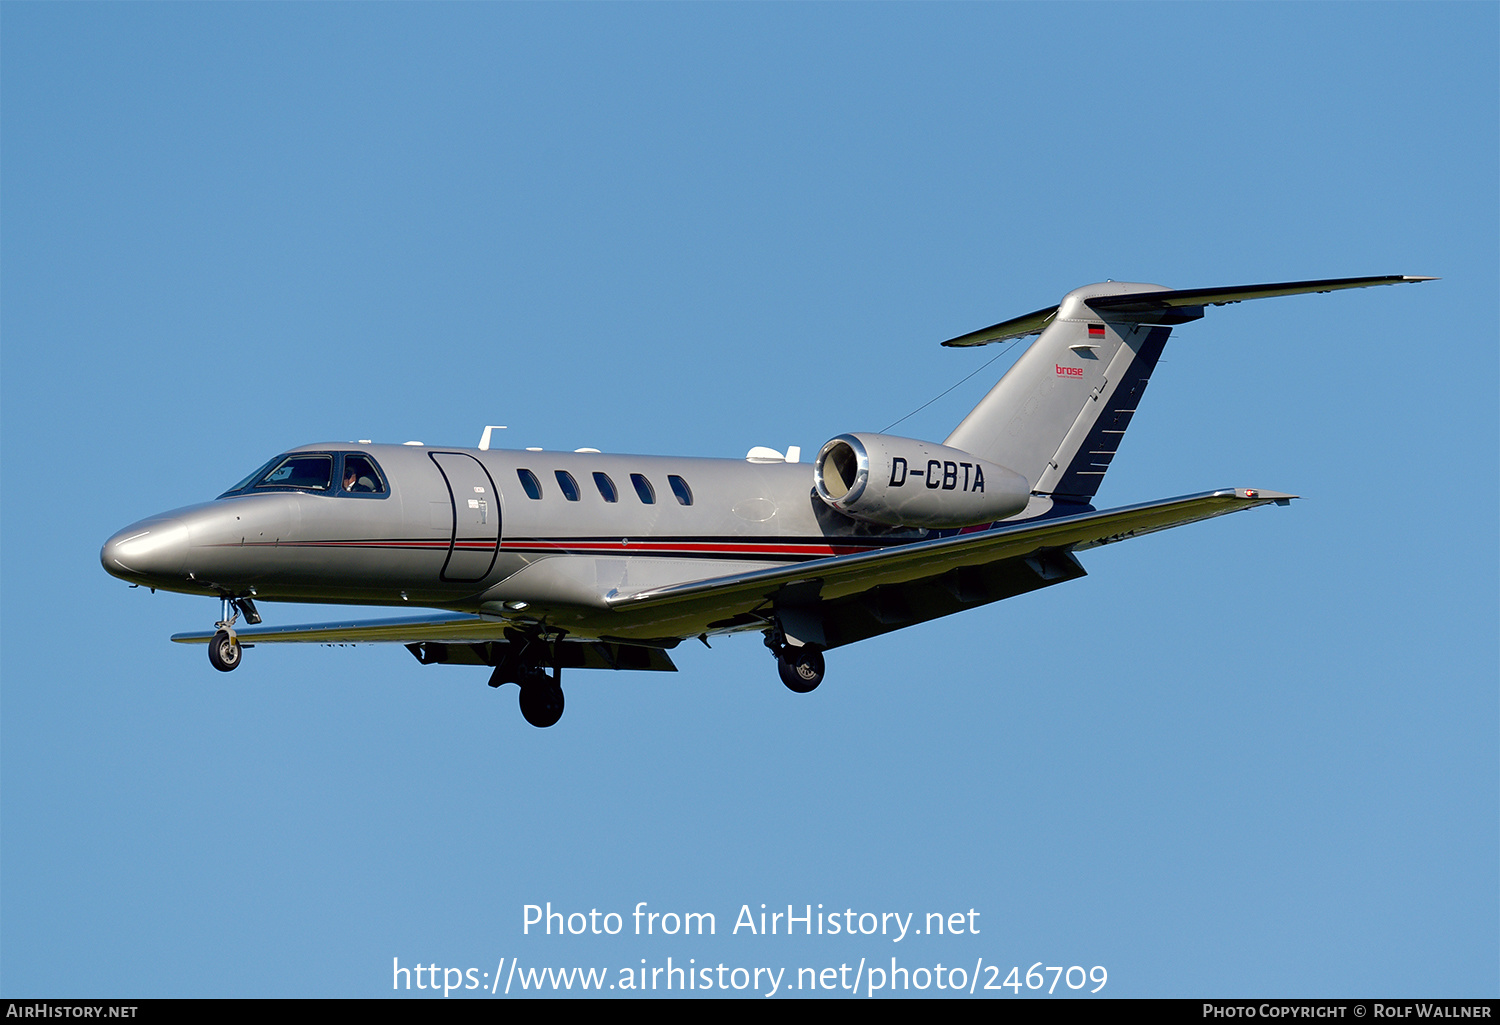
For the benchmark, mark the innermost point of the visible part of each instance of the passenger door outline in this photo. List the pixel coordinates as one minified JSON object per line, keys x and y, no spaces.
{"x":475,"y":500}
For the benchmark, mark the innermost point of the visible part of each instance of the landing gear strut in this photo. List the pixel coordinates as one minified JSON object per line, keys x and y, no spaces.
{"x":800,"y":668}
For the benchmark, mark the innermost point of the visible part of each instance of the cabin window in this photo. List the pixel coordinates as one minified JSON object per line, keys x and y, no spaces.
{"x":643,"y":488}
{"x":680,"y":489}
{"x":568,"y":484}
{"x":361,"y":476}
{"x":313,"y":472}
{"x":606,"y":487}
{"x":530,"y":483}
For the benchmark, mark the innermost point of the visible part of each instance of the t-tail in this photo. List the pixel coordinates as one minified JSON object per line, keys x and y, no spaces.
{"x":1057,"y":416}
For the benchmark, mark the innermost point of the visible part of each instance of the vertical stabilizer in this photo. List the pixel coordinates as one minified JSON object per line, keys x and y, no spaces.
{"x":1057,"y":416}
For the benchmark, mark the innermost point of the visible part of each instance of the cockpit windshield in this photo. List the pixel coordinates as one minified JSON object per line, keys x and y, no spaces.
{"x":254,"y":475}
{"x":315,"y":471}
{"x":311,"y":471}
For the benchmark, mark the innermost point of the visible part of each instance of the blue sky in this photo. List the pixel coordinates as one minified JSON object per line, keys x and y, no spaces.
{"x":1254,"y":756}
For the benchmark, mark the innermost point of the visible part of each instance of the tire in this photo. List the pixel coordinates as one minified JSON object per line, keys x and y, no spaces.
{"x":542,"y":704}
{"x":224,"y":652}
{"x":801,"y":669}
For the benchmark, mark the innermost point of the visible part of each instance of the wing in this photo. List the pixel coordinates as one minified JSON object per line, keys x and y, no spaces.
{"x":449,"y":637}
{"x":453,"y":627}
{"x":840,"y":600}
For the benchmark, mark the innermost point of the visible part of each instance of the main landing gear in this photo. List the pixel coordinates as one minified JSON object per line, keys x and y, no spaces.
{"x":224,"y":649}
{"x":541,"y":694}
{"x":800,"y":668}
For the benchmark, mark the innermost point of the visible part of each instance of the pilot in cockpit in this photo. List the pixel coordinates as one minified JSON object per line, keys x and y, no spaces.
{"x":359,"y":476}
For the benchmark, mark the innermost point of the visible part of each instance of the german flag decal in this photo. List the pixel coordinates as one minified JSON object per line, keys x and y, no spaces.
{"x":1096,"y":332}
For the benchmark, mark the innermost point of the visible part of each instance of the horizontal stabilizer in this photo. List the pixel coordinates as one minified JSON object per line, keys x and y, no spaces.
{"x":1134,"y":303}
{"x":1150,"y":302}
{"x":1016,"y":327}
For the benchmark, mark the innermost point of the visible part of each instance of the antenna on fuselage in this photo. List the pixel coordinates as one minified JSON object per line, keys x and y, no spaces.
{"x":763,"y":454}
{"x":484,"y":439}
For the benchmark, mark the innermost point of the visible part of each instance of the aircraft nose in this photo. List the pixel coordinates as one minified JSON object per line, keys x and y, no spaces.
{"x":148,"y":551}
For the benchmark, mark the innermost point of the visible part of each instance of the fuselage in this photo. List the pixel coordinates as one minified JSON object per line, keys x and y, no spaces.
{"x":514,"y":534}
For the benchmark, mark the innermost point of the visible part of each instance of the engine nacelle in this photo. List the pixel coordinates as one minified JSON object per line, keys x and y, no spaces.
{"x":901,"y":482}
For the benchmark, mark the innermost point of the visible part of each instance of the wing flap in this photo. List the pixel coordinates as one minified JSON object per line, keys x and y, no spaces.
{"x":563,"y":654}
{"x":834,"y":623}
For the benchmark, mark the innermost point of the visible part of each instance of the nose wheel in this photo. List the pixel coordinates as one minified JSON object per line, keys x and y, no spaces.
{"x":224,"y":650}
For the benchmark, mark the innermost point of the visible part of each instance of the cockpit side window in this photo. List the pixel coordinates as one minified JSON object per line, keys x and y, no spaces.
{"x":361,"y":476}
{"x":310,"y":471}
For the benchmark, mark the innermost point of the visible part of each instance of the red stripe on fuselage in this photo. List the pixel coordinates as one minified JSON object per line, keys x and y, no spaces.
{"x":783,"y":549}
{"x":683,"y":548}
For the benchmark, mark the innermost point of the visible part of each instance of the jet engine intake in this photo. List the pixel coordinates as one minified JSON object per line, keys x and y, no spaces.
{"x":902,"y":482}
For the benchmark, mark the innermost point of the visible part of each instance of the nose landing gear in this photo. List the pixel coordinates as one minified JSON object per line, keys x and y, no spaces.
{"x":224,"y":650}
